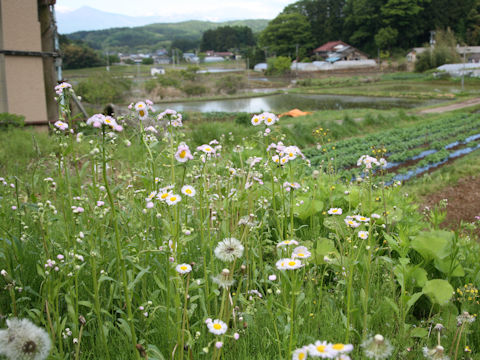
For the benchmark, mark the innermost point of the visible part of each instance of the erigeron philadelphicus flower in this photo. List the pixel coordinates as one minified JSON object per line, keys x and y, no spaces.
{"x":276,"y":159}
{"x":287,"y":243}
{"x":229,"y":249}
{"x":300,"y":354}
{"x":256,"y":120}
{"x":207,"y":149}
{"x":188,"y":190}
{"x":224,"y":279}
{"x":217,"y":327}
{"x":361,"y":218}
{"x":270,"y":119}
{"x":23,"y":340}
{"x":291,"y":185}
{"x":291,"y":152}
{"x":375,"y":216}
{"x":141,"y":109}
{"x":284,"y":160}
{"x":61,"y":125}
{"x":96,"y":120}
{"x":351,"y":223}
{"x":321,"y":349}
{"x":301,"y":252}
{"x":377,"y":347}
{"x":151,"y":196}
{"x":363,"y":235}
{"x":151,"y":129}
{"x":293,"y":264}
{"x":172,"y":199}
{"x":340,"y":348}
{"x":183,"y":153}
{"x":335,"y":211}
{"x":164,"y":193}
{"x":183,"y":268}
{"x":61,"y":87}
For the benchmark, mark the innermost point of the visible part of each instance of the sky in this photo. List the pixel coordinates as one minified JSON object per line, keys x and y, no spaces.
{"x":214,"y":10}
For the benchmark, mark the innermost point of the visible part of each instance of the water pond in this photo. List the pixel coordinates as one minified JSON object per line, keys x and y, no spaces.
{"x":306,"y":102}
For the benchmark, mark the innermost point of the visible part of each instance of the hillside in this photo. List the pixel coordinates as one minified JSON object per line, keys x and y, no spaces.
{"x":154,"y":36}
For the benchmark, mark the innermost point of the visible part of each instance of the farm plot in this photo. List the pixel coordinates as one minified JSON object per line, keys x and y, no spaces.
{"x":409,"y":151}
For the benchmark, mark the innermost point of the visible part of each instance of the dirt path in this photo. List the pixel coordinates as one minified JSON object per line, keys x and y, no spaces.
{"x":463,"y":202}
{"x":460,"y":105}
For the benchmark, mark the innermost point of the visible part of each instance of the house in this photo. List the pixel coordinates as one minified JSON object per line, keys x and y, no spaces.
{"x":156,"y":71}
{"x":28,"y":60}
{"x":223,"y":54}
{"x":338,"y":50}
{"x":471,"y":53}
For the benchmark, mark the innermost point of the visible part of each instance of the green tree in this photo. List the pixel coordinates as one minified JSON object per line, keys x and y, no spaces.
{"x":147,"y":61}
{"x":226,"y":38}
{"x":386,"y":37}
{"x":279,"y":65}
{"x":284,"y":33}
{"x":79,"y":56}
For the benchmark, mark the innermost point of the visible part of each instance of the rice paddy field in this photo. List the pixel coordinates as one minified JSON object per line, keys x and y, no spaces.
{"x":156,"y":235}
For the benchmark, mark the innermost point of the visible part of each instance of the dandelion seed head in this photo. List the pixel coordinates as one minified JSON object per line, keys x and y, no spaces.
{"x":229,"y":249}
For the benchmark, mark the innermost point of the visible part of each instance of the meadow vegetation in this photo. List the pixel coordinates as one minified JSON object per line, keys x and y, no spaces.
{"x":155,"y":235}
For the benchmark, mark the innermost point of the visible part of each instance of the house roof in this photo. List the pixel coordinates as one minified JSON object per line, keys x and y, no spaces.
{"x":330,"y":46}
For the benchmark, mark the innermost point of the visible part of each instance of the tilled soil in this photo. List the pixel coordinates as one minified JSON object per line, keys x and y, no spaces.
{"x":463,"y":202}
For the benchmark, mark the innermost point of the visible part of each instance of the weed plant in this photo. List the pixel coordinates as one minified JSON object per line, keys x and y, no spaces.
{"x":128,"y":243}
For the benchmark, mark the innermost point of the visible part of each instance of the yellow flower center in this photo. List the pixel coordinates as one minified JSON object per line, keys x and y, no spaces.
{"x":301,"y":356}
{"x":208,"y":149}
{"x":183,"y":267}
{"x":188,"y":191}
{"x":164,"y":196}
{"x":334,"y":211}
{"x":292,"y":263}
{"x":287,"y":242}
{"x":338,"y":347}
{"x":290,"y":154}
{"x":182,"y":154}
{"x":321,"y":348}
{"x":141,"y":112}
{"x":217,"y":326}
{"x":300,"y":254}
{"x":107,"y":121}
{"x":173,"y":198}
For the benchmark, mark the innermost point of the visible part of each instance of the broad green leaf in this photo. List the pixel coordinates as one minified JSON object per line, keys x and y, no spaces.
{"x":419,"y":332}
{"x":323,"y":247}
{"x":419,"y":276}
{"x":412,"y":300}
{"x":446,"y":267}
{"x":308,"y":208}
{"x":433,"y":244}
{"x":439,"y":291}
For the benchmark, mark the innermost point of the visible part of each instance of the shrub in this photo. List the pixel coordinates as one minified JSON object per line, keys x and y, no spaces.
{"x":102,"y":89}
{"x":279,"y":65}
{"x":11,"y":120}
{"x":230,"y":84}
{"x":192,"y":89}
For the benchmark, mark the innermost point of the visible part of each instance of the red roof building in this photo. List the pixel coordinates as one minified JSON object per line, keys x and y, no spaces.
{"x":338,"y":50}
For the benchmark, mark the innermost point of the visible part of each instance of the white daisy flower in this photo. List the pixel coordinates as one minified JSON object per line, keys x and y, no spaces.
{"x":340,"y":348}
{"x":363,"y":235}
{"x":217,"y":327}
{"x":321,"y":349}
{"x":188,"y":190}
{"x":301,"y":252}
{"x":362,"y":218}
{"x":172,"y":199}
{"x":351,"y":223}
{"x":335,"y":211}
{"x":282,"y":264}
{"x":276,"y":159}
{"x":293,"y":264}
{"x":256,"y":120}
{"x":61,"y":125}
{"x":183,"y":153}
{"x":300,"y":354}
{"x":183,"y":268}
{"x":270,"y":119}
{"x":142,"y":110}
{"x":287,"y":243}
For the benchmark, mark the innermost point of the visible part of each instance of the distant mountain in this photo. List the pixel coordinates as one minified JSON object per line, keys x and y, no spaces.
{"x":155,"y":36}
{"x":87,"y":18}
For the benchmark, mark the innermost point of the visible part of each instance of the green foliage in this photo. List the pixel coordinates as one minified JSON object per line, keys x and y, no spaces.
{"x":444,"y":52}
{"x":184,"y":35}
{"x":279,"y":65}
{"x":230,"y":84}
{"x":284,"y":33}
{"x":11,"y":120}
{"x":80,"y":56}
{"x":225,"y":38}
{"x":147,"y":61}
{"x":194,"y":89}
{"x":103,"y":89}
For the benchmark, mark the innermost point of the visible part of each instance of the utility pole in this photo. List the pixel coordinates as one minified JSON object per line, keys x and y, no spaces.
{"x":296,"y":62}
{"x":463,"y":72}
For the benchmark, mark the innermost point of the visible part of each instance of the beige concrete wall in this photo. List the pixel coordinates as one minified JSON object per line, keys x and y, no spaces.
{"x":20,"y":30}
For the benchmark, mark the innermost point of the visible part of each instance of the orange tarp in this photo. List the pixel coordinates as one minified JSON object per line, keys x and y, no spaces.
{"x":295,"y":113}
